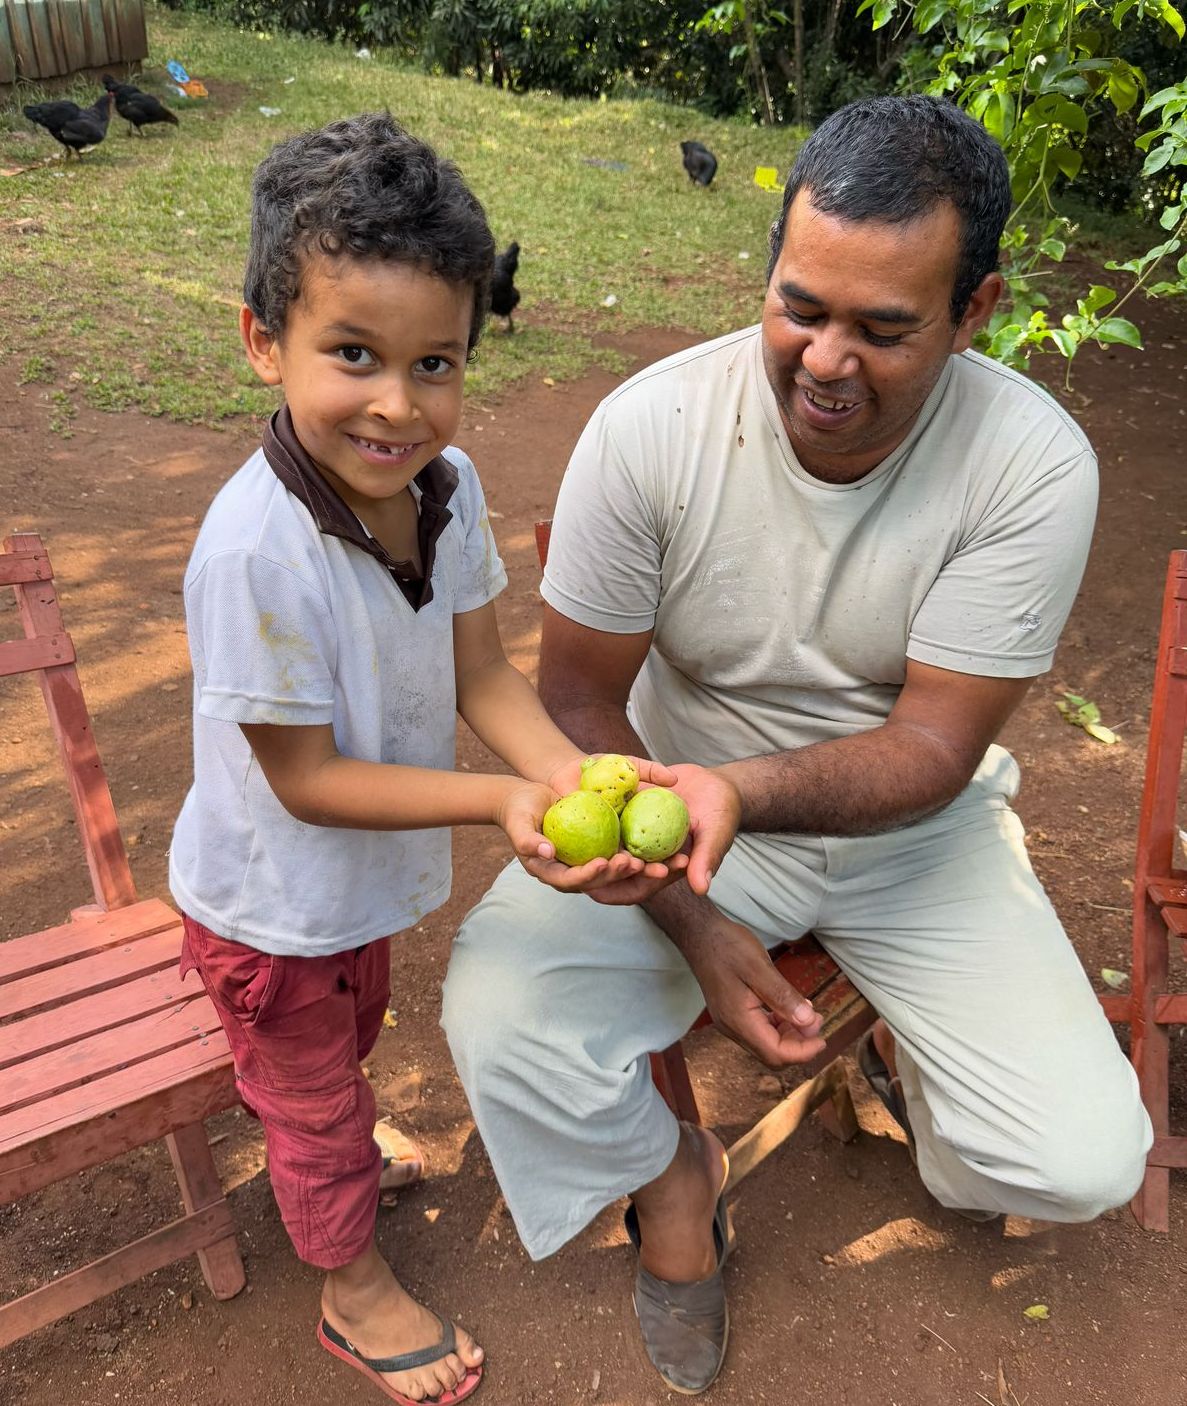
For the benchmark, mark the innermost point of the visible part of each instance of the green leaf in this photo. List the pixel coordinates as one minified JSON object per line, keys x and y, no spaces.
{"x":1121,"y":10}
{"x":1053,"y":249}
{"x":1036,"y":1312}
{"x":929,"y":13}
{"x":1101,"y":733}
{"x":1123,"y":90}
{"x":1098,"y":297}
{"x":1067,"y":342}
{"x":1118,"y":329}
{"x":1114,"y":980}
{"x":1172,"y":17}
{"x":1067,"y":160}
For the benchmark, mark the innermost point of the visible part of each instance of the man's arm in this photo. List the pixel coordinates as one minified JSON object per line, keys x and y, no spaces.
{"x":912,"y":765}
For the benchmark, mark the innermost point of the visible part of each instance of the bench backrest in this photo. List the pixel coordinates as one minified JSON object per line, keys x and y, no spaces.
{"x":1158,"y":826}
{"x":48,"y":651}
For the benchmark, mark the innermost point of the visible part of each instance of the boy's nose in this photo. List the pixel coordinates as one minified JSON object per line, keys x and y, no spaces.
{"x":394,"y":403}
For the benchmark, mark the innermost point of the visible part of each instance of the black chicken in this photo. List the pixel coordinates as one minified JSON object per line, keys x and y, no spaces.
{"x":84,"y":126}
{"x":699,"y":162}
{"x":51,"y":116}
{"x":137,"y":108}
{"x":504,"y":295}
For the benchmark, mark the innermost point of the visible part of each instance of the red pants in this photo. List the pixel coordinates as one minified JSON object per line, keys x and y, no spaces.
{"x":299,"y":1028}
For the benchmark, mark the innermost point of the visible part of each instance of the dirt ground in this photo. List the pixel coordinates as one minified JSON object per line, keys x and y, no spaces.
{"x":850,"y":1285}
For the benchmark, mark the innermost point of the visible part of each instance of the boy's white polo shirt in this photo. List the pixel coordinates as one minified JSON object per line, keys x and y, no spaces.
{"x":294,"y":626}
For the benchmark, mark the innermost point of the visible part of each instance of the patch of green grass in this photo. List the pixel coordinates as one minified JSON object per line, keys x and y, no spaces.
{"x":37,"y":368}
{"x":134,"y":276}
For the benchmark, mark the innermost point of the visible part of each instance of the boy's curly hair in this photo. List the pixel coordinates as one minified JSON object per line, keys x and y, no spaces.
{"x":365,"y":188}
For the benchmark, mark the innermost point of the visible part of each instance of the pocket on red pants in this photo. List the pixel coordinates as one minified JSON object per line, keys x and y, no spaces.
{"x":315,"y":1130}
{"x":241,"y":980}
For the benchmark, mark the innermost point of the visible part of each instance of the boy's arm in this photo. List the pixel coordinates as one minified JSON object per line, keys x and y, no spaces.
{"x":318,"y":785}
{"x":500,"y":706}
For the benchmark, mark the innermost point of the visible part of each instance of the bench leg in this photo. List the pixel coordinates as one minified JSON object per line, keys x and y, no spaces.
{"x":838,"y":1114}
{"x":669,"y":1073}
{"x":189,"y":1151}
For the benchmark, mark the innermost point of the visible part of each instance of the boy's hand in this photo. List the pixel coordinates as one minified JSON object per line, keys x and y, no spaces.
{"x":609,"y":880}
{"x":567,"y":777}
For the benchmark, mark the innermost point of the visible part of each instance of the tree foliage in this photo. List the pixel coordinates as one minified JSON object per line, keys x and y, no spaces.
{"x":1042,"y":76}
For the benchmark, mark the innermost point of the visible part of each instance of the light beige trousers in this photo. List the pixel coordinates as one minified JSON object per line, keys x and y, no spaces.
{"x":1019,"y":1096}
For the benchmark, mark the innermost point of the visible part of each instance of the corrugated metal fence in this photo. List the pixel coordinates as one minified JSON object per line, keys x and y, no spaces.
{"x":53,"y":38}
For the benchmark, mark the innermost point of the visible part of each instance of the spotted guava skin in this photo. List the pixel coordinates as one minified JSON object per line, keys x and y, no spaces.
{"x":581,"y":826}
{"x":654,"y":824}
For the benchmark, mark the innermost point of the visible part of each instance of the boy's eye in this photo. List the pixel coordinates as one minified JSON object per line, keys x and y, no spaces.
{"x":435,"y":365}
{"x":355,"y":356}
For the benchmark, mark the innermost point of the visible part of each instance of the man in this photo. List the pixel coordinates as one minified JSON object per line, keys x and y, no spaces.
{"x":824,"y":559}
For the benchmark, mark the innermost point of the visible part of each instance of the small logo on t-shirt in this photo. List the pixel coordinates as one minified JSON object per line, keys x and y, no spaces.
{"x":1031,"y":622}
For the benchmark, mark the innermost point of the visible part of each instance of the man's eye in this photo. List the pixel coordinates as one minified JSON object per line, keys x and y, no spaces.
{"x":802,"y":319}
{"x":356,"y":356}
{"x":876,"y":341}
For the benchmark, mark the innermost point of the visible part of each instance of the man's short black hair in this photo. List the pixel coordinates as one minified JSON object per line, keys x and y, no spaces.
{"x":362,"y":188}
{"x":894,"y":159}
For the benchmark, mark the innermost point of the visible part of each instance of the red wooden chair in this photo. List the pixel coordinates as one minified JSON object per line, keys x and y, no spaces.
{"x":1159,"y":904}
{"x":847,"y":1015}
{"x":102,"y":1047}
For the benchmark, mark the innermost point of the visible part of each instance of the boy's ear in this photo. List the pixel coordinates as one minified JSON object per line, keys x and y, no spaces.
{"x":261,"y":347}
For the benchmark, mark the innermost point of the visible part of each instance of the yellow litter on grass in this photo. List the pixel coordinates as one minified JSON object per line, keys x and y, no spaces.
{"x":767,"y":178}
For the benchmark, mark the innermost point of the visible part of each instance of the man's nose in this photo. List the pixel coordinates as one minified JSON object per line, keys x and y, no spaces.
{"x":829,"y":355}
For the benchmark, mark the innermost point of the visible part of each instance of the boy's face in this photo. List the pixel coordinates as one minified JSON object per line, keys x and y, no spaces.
{"x":372,"y":360}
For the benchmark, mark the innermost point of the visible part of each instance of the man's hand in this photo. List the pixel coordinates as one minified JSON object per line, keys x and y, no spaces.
{"x":714,"y":809}
{"x":750,"y":1001}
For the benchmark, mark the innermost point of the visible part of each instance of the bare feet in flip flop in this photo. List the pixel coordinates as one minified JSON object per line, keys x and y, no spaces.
{"x":368,"y":1317}
{"x":403,"y":1161}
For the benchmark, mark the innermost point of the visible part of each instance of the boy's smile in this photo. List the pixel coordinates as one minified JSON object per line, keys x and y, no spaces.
{"x":372,"y":360}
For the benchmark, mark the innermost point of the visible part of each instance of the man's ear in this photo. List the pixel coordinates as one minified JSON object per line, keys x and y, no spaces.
{"x":261,"y":347}
{"x":979,"y":310}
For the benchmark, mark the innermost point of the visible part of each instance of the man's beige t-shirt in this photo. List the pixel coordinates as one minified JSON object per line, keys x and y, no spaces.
{"x":784,"y":609}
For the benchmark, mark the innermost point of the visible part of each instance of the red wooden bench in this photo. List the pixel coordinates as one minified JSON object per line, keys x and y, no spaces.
{"x":102,"y":1047}
{"x":847,"y":1015}
{"x":1159,"y":904}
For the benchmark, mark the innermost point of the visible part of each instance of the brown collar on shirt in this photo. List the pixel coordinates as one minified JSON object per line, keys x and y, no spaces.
{"x":437,"y":482}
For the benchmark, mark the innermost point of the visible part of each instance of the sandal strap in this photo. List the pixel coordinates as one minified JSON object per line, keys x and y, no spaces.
{"x":404,"y":1361}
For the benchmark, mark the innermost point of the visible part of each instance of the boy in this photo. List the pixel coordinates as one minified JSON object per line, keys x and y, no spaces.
{"x":340,"y":609}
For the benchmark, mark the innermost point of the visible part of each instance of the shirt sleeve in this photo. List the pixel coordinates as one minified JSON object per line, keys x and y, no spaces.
{"x":604,"y":555}
{"x":263,"y":643}
{"x":481,"y":575}
{"x":1000,"y":603}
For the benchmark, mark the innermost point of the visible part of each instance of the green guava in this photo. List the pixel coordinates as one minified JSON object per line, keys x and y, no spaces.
{"x":612,"y":777}
{"x":654,"y":823}
{"x":581,"y":827}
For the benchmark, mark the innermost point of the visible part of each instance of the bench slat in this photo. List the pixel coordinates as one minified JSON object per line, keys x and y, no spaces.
{"x":45,"y":1078}
{"x":85,"y":935}
{"x":40,"y":652}
{"x":38,"y":1034}
{"x":43,"y":1143}
{"x":100,"y":1098}
{"x":54,"y":988}
{"x":21,"y":567}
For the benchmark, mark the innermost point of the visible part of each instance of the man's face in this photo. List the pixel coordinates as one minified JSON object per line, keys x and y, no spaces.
{"x":857,"y":330}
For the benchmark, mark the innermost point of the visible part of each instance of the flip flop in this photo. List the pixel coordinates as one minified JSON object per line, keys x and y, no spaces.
{"x":889,"y":1089}
{"x":685,"y":1327}
{"x":395,"y":1147}
{"x":371,"y":1367}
